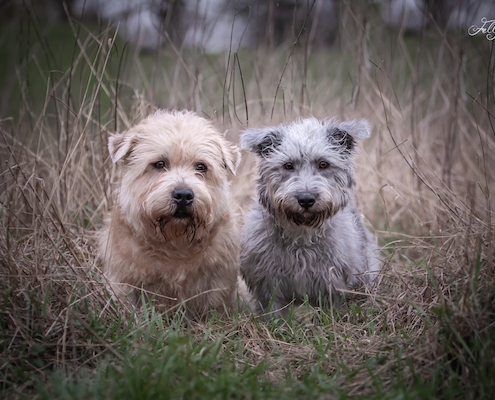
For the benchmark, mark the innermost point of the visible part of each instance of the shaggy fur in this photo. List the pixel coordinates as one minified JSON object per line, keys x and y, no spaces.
{"x":172,"y":232}
{"x":305,"y":237}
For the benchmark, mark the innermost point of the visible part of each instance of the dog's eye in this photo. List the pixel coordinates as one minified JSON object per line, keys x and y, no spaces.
{"x":200,"y":167}
{"x":159,"y":165}
{"x":289,"y":166}
{"x":323,"y":164}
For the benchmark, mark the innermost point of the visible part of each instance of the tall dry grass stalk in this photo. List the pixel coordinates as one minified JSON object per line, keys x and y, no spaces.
{"x":425,"y":180}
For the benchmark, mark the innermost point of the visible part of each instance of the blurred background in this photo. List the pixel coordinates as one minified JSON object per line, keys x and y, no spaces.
{"x":218,"y":25}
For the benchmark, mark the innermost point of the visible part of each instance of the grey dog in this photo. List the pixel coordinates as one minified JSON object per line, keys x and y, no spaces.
{"x":304,"y":238}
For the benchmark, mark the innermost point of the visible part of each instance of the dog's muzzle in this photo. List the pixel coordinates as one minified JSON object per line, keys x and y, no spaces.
{"x":183,"y":198}
{"x":309,"y":212}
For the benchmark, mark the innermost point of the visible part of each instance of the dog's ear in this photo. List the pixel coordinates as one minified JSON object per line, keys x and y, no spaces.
{"x":231,"y":156}
{"x":261,"y":141}
{"x":120,"y":145}
{"x":346,"y":133}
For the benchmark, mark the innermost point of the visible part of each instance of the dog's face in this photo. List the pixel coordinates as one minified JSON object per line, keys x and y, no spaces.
{"x":306,"y":168}
{"x":174,"y":177}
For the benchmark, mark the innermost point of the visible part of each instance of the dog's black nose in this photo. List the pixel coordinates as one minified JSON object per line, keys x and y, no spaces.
{"x":183,"y":197}
{"x":306,"y":200}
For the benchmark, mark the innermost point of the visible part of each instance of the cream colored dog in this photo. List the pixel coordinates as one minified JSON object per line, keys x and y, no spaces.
{"x":172,"y":232}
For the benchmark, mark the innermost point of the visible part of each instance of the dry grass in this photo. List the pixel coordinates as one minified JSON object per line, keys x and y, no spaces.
{"x":425,"y":180}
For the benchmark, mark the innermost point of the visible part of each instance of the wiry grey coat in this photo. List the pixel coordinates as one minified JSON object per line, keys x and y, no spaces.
{"x":304,"y":237}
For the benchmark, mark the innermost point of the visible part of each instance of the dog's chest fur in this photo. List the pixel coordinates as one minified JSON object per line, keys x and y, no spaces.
{"x":303,"y":261}
{"x":208,"y":266}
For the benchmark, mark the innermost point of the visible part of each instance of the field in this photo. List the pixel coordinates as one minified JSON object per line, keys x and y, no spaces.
{"x":425,"y":185}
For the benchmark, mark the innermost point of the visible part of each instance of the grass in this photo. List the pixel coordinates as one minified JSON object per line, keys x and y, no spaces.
{"x":424,"y":184}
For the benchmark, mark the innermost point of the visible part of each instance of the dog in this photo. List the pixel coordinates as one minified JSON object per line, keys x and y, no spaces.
{"x":172,"y":233}
{"x":304,"y":238}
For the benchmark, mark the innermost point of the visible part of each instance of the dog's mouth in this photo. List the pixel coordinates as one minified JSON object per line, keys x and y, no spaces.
{"x":180,"y":214}
{"x":305,"y":218}
{"x":182,"y":223}
{"x":308,"y":218}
